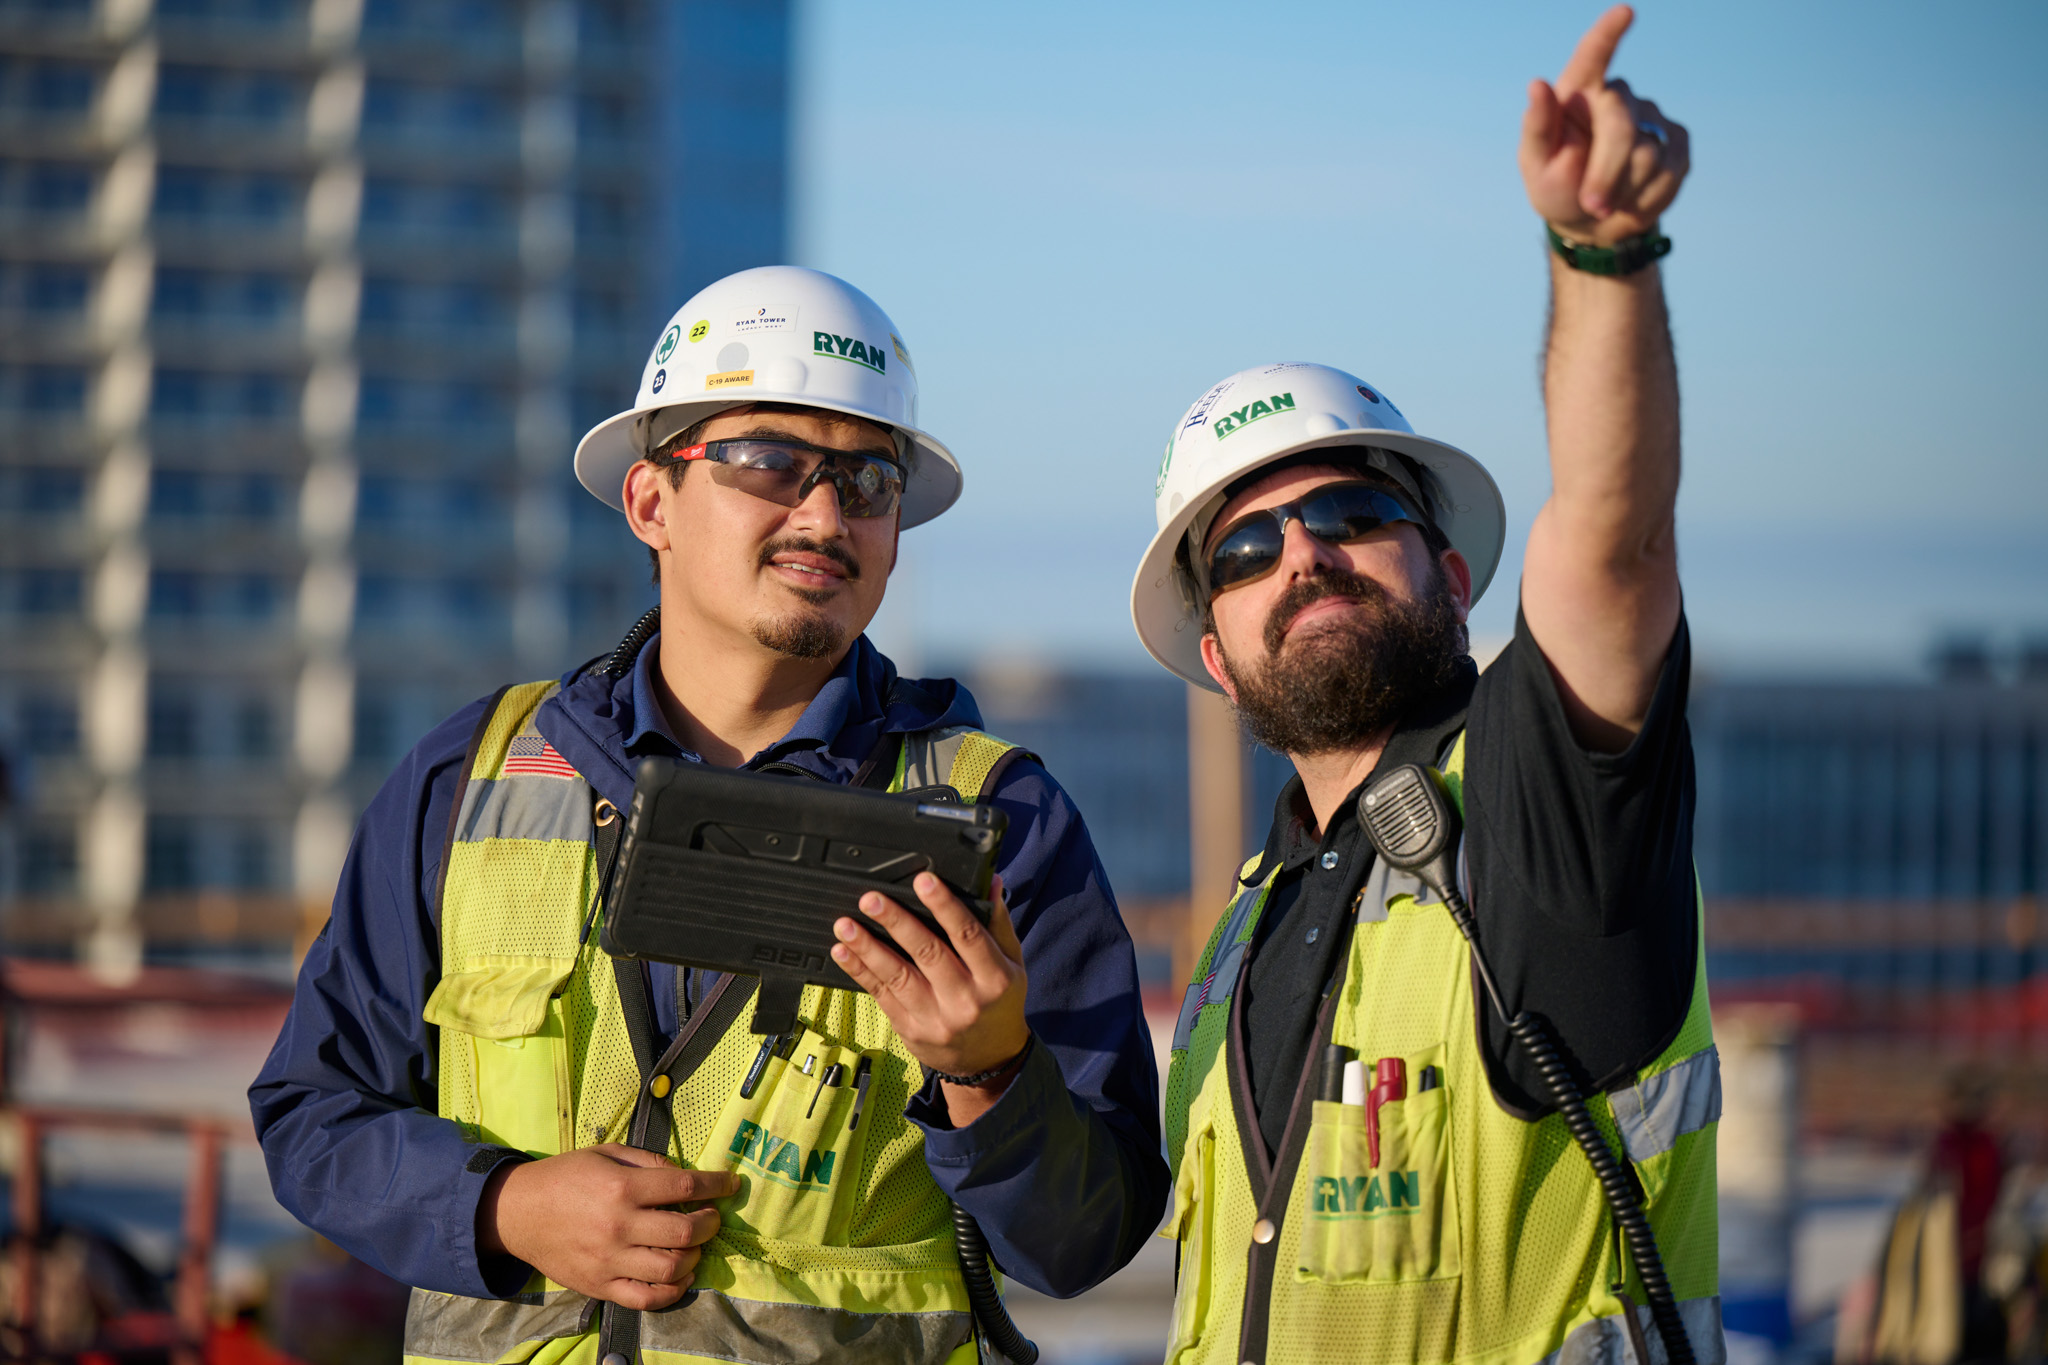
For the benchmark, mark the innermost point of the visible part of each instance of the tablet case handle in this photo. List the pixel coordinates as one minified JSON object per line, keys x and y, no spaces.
{"x":775,"y":1004}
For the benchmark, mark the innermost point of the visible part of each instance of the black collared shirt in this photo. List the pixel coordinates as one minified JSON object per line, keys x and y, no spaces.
{"x":1581,"y":882}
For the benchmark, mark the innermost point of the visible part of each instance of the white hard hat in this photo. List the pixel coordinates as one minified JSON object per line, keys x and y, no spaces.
{"x":774,"y":334}
{"x":1258,"y":417}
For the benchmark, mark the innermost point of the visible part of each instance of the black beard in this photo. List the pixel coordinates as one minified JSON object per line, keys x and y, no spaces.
{"x":1340,"y":684}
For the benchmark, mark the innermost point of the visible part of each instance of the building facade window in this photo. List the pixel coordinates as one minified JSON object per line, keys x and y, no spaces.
{"x":170,"y":854}
{"x":198,"y":195}
{"x":243,"y":13}
{"x":255,"y":736}
{"x":44,"y":287}
{"x":42,"y":592}
{"x":221,"y":296}
{"x":173,"y":723}
{"x":49,"y":859}
{"x":217,"y":397}
{"x":45,"y":85}
{"x":45,"y":187}
{"x":41,"y":491}
{"x":42,"y":390}
{"x":190,"y":597}
{"x":183,"y":495}
{"x":48,"y":726}
{"x":235,"y":95}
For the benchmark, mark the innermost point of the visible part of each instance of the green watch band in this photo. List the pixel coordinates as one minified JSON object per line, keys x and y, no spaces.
{"x":1623,"y":258}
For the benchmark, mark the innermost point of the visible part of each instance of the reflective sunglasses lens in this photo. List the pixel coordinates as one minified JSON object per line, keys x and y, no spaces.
{"x":1348,"y":512}
{"x":785,"y":473}
{"x":769,"y":471}
{"x":870,"y":488}
{"x":1246,"y":552}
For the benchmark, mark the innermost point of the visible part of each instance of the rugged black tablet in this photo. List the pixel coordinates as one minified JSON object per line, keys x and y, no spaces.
{"x":745,"y":873}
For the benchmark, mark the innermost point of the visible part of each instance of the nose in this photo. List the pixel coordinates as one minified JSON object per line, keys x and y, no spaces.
{"x":1302,"y":555}
{"x":819,"y":513}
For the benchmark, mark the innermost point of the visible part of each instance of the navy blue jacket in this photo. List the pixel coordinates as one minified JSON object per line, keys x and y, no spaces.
{"x":1064,"y":1174}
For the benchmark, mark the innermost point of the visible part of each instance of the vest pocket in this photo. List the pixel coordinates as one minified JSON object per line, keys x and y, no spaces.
{"x":1194,"y":1209}
{"x":794,"y":1147}
{"x":502,"y":1026}
{"x":1386,"y":1223}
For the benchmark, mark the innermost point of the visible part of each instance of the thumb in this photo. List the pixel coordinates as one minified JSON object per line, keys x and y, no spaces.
{"x":631,"y":1156}
{"x":1542,"y":125}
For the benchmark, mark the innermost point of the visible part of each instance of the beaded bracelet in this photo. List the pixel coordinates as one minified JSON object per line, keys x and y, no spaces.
{"x":983,"y":1077}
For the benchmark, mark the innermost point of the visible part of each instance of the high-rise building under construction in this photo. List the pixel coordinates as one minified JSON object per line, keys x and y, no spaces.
{"x":303,"y":304}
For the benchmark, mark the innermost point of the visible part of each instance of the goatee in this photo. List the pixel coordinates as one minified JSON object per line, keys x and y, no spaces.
{"x":1340,"y":682}
{"x":808,"y":635}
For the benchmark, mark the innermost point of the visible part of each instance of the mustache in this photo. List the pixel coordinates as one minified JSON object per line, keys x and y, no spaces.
{"x":1331,"y":582}
{"x":831,"y":550}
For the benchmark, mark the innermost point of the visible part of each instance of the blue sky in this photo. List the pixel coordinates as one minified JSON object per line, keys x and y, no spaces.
{"x":1082,"y":216}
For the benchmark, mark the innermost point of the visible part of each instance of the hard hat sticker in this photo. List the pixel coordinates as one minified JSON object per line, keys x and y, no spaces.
{"x":660,"y":378}
{"x":902,"y":354}
{"x":667,"y":346}
{"x":700,"y":329}
{"x":746,"y":321}
{"x":851,"y":349}
{"x":1200,"y":412}
{"x":1231,"y":422}
{"x":728,"y":379}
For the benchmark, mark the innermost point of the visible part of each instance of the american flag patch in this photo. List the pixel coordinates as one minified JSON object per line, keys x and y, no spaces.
{"x":1203,"y":998}
{"x":532,"y":756}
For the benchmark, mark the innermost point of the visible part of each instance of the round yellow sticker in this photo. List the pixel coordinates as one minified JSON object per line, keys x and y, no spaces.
{"x":698,"y":332}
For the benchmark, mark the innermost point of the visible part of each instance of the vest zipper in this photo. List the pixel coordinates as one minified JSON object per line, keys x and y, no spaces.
{"x":1273,"y":1182}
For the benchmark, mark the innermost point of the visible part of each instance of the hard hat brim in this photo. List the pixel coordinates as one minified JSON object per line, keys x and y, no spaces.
{"x":1474,"y":520}
{"x":608,"y":450}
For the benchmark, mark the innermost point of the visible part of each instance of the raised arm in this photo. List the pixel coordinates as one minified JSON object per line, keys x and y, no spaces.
{"x":1600,"y":583}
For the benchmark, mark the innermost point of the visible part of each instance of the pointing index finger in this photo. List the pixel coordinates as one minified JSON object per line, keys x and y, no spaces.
{"x":1587,"y":69}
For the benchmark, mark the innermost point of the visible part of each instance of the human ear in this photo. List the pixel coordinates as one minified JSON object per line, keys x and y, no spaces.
{"x":1459,"y":575}
{"x":1212,"y":660}
{"x":644,"y":510}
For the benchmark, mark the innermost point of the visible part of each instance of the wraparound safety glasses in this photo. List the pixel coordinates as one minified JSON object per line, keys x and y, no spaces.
{"x":1336,"y":513}
{"x":785,"y":471}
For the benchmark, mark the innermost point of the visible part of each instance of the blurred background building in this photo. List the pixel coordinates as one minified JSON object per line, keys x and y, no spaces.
{"x":302,"y":303}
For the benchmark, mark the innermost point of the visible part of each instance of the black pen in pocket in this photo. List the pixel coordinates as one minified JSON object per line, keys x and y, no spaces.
{"x":861,"y":1075}
{"x":753,"y":1080}
{"x":831,"y":1076}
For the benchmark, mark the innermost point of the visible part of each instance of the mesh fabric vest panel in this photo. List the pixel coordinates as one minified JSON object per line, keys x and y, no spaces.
{"x":849,"y":1259}
{"x":1477,"y":1238}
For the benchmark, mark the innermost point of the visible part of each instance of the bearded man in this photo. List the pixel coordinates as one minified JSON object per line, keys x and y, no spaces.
{"x":1316,"y":561}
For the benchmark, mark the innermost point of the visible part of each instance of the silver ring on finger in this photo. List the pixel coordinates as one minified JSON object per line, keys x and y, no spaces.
{"x":1654,"y":131}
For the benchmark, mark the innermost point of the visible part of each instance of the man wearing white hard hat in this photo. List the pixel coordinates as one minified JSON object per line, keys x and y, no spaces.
{"x":1443,"y":1085}
{"x":471,"y":1096}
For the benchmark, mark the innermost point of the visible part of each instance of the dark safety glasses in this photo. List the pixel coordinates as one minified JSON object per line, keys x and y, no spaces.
{"x":1336,"y":514}
{"x":784,"y":472}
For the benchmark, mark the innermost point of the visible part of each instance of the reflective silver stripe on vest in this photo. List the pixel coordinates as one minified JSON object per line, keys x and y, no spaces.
{"x":928,"y":758}
{"x":520,"y":808}
{"x":745,"y":1331}
{"x":1604,"y":1341}
{"x":1218,"y":984}
{"x":1658,"y":1111}
{"x":450,"y":1327}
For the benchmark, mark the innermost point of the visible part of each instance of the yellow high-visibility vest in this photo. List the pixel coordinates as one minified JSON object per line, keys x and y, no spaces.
{"x":841,"y":1247}
{"x":1478,"y":1238}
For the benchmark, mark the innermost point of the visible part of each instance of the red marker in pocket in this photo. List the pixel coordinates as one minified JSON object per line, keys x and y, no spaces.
{"x":1390,"y":1083}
